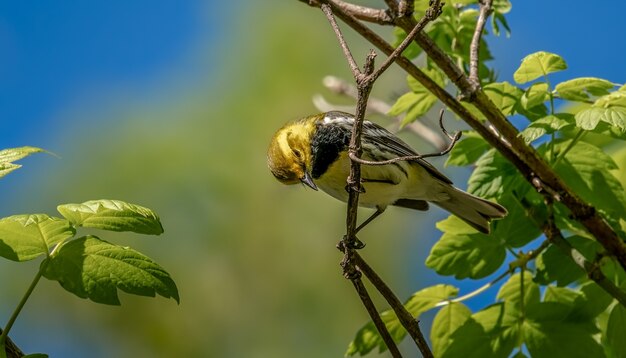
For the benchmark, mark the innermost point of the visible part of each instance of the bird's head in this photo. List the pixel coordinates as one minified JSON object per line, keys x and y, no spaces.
{"x":289,"y":155}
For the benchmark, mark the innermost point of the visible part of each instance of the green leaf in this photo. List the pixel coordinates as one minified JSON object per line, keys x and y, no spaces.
{"x":518,"y":227}
{"x":492,"y":332}
{"x":493,"y":176}
{"x":580,"y":89}
{"x":468,"y":150}
{"x":504,"y":95}
{"x":419,"y":101}
{"x":559,"y":339}
{"x":93,"y":268}
{"x":561,"y":295}
{"x":535,"y":95}
{"x":511,"y":290}
{"x":587,"y":170}
{"x":547,"y":125}
{"x":113,"y":215}
{"x":449,"y":318}
{"x":594,"y":300}
{"x":367,"y":338}
{"x":554,"y":265}
{"x":25,"y":237}
{"x":8,"y":156}
{"x":464,"y":254}
{"x":589,"y":118}
{"x":537,"y":65}
{"x":614,"y":99}
{"x":615,"y":331}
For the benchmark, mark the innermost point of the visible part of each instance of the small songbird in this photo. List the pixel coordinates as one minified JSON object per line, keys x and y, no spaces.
{"x":314,"y":151}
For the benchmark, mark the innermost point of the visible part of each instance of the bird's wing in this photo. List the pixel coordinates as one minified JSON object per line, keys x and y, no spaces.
{"x":384,"y":139}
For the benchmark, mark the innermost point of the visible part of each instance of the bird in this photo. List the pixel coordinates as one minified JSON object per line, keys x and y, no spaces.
{"x":314,"y":151}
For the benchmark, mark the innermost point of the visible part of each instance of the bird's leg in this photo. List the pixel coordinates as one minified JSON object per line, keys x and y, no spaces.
{"x":358,"y":244}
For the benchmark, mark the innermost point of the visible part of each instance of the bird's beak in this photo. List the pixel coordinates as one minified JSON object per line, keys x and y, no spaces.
{"x":308,"y":181}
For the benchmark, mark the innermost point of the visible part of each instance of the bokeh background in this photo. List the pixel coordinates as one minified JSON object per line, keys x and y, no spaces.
{"x":171,"y":105}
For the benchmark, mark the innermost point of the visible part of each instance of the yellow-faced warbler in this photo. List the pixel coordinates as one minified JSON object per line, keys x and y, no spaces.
{"x":314,"y":151}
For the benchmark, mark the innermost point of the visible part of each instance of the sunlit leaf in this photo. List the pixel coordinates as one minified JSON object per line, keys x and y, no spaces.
{"x":511,"y":290}
{"x":504,"y":95}
{"x":493,"y":176}
{"x":113,"y":215}
{"x":537,"y":65}
{"x":535,"y":95}
{"x":8,"y":156}
{"x":449,"y":318}
{"x":613,"y":99}
{"x":547,"y":125}
{"x":589,"y":118}
{"x":25,"y":237}
{"x":491,"y":332}
{"x":580,"y":89}
{"x":93,"y":268}
{"x":468,"y":150}
{"x":463,"y":254}
{"x":587,"y":170}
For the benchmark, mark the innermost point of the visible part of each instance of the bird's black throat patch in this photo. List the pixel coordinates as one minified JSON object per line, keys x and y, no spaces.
{"x":326,"y":144}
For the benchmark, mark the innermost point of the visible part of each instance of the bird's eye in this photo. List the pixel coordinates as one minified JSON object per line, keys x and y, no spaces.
{"x":297,"y":153}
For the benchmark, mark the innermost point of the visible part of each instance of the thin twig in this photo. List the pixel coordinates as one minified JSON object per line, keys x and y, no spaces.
{"x":11,"y":349}
{"x":406,"y":318}
{"x":378,"y":16}
{"x":485,"y":11}
{"x":454,"y":139}
{"x":378,"y":322}
{"x":364,"y":81}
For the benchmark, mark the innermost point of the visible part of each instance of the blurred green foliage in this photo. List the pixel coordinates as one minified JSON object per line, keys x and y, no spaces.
{"x":257,"y":269}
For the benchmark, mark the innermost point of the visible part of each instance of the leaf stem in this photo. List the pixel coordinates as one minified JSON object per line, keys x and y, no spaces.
{"x":576,"y":138}
{"x":18,"y":309}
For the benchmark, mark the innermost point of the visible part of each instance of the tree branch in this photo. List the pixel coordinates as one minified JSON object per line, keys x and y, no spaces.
{"x":12,"y":350}
{"x":485,"y":11}
{"x":364,"y":81}
{"x":592,"y":269}
{"x":511,"y":146}
{"x":406,"y":318}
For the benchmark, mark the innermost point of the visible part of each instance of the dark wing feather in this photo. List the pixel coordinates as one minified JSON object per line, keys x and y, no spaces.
{"x":386,"y":139}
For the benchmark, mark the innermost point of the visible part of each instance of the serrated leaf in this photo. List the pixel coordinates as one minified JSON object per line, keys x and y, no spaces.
{"x":449,"y":318}
{"x":537,"y":65}
{"x":95,"y":269}
{"x":113,"y":215}
{"x":493,"y":176}
{"x":594,"y":300}
{"x":491,"y":332}
{"x":518,"y":227}
{"x":511,"y":290}
{"x":468,"y":150}
{"x":559,"y":339}
{"x":504,"y":95}
{"x":547,"y":125}
{"x":8,"y":156}
{"x":615,"y":331}
{"x":589,"y":118}
{"x":554,"y":265}
{"x":535,"y":95}
{"x":367,"y":338}
{"x":580,"y":89}
{"x":587,"y":170}
{"x":463,"y":255}
{"x":613,"y":99}
{"x":25,"y":237}
{"x":561,"y":295}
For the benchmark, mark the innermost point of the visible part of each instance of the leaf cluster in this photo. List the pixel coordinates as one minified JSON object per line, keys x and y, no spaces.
{"x":548,"y":301}
{"x":89,"y":266}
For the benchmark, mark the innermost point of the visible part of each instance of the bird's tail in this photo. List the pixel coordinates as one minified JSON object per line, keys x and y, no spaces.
{"x":475,"y":211}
